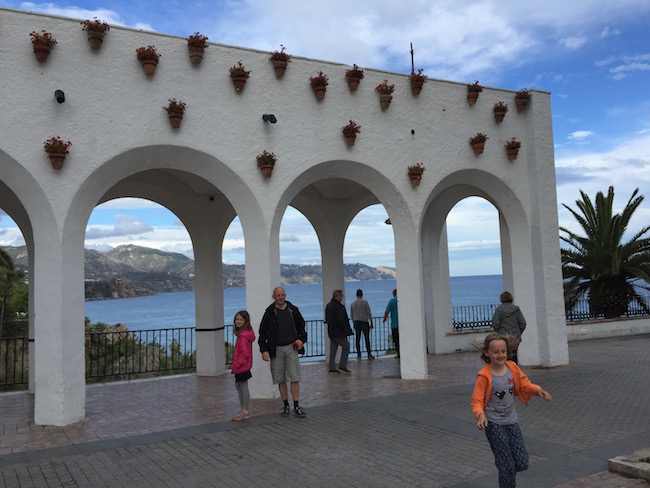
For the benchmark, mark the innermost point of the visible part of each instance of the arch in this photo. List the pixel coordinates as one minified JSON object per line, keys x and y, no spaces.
{"x":515,"y":233}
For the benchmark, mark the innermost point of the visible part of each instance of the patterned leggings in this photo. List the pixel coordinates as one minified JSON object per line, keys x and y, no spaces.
{"x":509,"y":450}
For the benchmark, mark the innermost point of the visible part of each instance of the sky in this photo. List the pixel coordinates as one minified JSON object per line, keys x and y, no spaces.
{"x":592,"y":55}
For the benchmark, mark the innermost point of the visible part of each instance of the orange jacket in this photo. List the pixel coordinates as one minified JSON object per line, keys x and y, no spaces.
{"x":524,"y":389}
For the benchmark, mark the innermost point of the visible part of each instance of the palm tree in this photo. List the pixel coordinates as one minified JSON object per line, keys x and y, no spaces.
{"x":611,"y":273}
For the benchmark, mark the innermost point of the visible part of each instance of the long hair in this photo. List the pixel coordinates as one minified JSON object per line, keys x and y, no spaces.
{"x":247,"y":322}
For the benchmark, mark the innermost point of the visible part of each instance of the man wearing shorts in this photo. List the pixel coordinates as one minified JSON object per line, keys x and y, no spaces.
{"x":282,"y":334}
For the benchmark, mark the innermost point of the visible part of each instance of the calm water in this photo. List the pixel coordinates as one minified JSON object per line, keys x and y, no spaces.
{"x":167,"y":310}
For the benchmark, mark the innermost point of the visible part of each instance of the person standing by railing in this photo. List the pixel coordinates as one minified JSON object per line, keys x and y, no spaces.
{"x":282,"y":335}
{"x":242,"y":361}
{"x":338,"y":330}
{"x":362,"y":320}
{"x":391,"y":309}
{"x":508,"y":320}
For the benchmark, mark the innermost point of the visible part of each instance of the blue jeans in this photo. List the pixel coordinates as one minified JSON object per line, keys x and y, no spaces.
{"x":509,"y":450}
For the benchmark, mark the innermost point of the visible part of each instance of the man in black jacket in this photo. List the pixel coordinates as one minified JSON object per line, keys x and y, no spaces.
{"x":338,"y":330}
{"x":281,"y":336}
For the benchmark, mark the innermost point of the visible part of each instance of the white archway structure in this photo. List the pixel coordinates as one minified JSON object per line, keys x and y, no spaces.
{"x":205,"y":172}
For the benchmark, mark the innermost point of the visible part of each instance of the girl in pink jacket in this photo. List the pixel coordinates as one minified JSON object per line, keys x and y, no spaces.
{"x":242,"y":361}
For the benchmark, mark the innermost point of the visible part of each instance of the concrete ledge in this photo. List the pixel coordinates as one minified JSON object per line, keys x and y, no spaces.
{"x":635,"y":465}
{"x":601,"y":329}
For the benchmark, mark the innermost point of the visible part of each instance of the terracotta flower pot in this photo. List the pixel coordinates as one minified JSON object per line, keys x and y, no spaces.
{"x":240,"y":83}
{"x":512,"y":154}
{"x":478,"y":147}
{"x":95,"y":39}
{"x":498,"y":116}
{"x":175,"y":120}
{"x":57,"y":159}
{"x":384,"y":100}
{"x":319,"y":91}
{"x":196,"y":54}
{"x":350,"y":137}
{"x":267,"y":169}
{"x":415,"y":179}
{"x":280,"y":67}
{"x":521,"y":103}
{"x":353,"y":83}
{"x":149,"y":66}
{"x":472,"y":96}
{"x":416,"y":87}
{"x":41,"y":51}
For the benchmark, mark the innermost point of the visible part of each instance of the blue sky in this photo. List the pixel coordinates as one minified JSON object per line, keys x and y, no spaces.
{"x":592,"y":55}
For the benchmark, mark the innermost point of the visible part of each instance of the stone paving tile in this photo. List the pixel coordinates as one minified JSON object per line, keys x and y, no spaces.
{"x":365,"y":429}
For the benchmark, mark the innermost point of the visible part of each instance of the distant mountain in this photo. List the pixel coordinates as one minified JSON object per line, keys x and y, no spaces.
{"x":129,"y":271}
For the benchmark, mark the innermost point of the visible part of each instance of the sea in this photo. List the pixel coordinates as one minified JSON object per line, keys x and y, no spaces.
{"x":171,"y":310}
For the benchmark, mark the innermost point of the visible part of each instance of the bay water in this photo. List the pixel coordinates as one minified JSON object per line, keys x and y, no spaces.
{"x":168,"y":310}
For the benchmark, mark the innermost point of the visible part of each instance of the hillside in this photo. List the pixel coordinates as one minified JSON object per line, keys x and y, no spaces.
{"x":128,"y":271}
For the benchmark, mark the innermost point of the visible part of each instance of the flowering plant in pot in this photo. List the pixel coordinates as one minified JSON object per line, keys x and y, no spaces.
{"x":196,"y":44}
{"x":280,"y":60}
{"x":42,"y":44}
{"x":175,"y":110}
{"x":350,"y":132}
{"x":354,"y":75}
{"x":385,"y":94}
{"x":478,"y":142}
{"x":239,"y":75}
{"x":415,"y":173}
{"x":512,"y":147}
{"x":57,"y":149}
{"x":418,"y":79}
{"x":149,"y":57}
{"x":319,"y":84}
{"x":266,"y":161}
{"x":473,"y":89}
{"x":499,"y":109}
{"x":96,"y":30}
{"x":522,"y":97}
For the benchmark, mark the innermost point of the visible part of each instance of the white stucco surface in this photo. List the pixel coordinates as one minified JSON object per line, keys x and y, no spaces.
{"x":206,"y":173}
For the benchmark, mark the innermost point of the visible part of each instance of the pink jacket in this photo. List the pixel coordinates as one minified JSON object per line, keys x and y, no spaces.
{"x":242,"y":360}
{"x":524,"y":389}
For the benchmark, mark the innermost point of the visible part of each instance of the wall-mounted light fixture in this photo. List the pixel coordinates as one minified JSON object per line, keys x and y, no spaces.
{"x":269,"y":118}
{"x":60,"y":96}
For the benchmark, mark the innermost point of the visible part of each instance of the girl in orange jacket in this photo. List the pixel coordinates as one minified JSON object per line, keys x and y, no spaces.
{"x":497,"y":383}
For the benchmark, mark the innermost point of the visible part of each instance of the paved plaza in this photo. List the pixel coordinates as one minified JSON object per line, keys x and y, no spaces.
{"x":366,"y":429}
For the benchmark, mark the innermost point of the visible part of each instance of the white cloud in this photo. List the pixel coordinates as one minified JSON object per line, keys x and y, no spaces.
{"x":573,"y":43}
{"x":127,"y":225}
{"x":580,"y":134}
{"x":287,"y":237}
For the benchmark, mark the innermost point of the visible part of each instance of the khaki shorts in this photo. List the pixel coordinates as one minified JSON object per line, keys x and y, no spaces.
{"x":285,"y":365}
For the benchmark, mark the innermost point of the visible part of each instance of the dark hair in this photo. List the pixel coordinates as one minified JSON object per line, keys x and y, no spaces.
{"x":247,"y":322}
{"x":359,"y":292}
{"x":490,"y":338}
{"x":395,"y":292}
{"x":506,"y":296}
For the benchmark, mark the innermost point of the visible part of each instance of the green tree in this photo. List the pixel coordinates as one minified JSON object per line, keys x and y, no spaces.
{"x":9,"y":279}
{"x":612,"y":273}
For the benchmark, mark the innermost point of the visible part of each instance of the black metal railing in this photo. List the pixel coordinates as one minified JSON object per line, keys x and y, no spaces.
{"x":127,"y":354}
{"x":142,"y":352}
{"x":472,"y":317}
{"x":14,"y":362}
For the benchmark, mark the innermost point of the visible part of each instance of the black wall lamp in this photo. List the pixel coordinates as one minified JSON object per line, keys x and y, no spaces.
{"x":269,"y":118}
{"x":60,"y":96}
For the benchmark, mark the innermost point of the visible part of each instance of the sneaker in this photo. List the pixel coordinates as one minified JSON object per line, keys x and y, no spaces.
{"x":299,"y":412}
{"x":345,"y":370}
{"x":334,"y":371}
{"x":285,"y":411}
{"x":241,"y":416}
